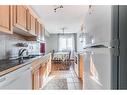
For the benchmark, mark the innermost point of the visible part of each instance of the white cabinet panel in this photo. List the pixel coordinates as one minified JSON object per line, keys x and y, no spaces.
{"x":18,"y":79}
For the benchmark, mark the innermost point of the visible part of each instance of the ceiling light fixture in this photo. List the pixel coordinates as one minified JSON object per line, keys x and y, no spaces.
{"x":82,"y":34}
{"x":63,"y":29}
{"x":59,"y":7}
{"x":90,"y":9}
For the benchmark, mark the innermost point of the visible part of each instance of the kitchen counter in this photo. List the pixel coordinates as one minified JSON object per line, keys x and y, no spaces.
{"x":40,"y":61}
{"x":7,"y":66}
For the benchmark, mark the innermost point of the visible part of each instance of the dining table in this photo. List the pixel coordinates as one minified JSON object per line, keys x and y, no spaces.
{"x":61,"y":55}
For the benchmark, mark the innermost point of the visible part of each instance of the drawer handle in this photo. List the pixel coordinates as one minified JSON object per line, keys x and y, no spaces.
{"x":2,"y":79}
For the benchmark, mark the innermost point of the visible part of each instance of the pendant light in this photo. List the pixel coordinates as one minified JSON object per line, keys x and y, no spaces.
{"x":82,"y":34}
{"x":90,"y":9}
{"x":63,"y":29}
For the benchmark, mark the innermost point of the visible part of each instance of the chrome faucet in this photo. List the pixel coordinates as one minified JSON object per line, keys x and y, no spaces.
{"x":20,"y":53}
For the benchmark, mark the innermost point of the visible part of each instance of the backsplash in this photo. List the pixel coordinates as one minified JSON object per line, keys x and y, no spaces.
{"x":9,"y":49}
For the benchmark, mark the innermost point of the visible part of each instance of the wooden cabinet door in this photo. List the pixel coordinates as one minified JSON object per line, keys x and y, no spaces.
{"x":41,"y":73}
{"x":28,"y":22}
{"x":81,"y":69}
{"x":20,"y":13}
{"x":35,"y":79}
{"x":39,"y":30}
{"x":33,"y":20}
{"x":21,"y":16}
{"x":49,"y":65}
{"x":40,"y":25}
{"x":6,"y":18}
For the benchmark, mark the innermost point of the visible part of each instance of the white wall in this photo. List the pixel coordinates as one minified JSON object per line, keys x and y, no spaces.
{"x":51,"y":42}
{"x":9,"y":49}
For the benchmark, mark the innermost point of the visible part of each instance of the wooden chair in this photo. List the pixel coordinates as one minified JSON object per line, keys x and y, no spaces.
{"x":52,"y":53}
{"x":69,"y":59}
{"x":55,"y":59}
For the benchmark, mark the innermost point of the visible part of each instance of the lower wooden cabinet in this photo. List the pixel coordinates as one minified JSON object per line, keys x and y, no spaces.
{"x":40,"y":72}
{"x":41,"y":75}
{"x":35,"y":79}
{"x":48,"y":66}
{"x":81,"y":65}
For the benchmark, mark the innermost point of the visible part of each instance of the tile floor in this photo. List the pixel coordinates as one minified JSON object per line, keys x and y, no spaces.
{"x":73,"y":83}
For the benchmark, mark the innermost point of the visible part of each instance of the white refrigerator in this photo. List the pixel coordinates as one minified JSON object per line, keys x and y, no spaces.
{"x":105,"y":52}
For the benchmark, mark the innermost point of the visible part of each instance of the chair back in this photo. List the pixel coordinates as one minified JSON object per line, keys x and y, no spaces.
{"x":69,"y":55}
{"x":53,"y":51}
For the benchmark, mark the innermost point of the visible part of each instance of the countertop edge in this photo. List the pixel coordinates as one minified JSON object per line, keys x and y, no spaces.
{"x":19,"y":66}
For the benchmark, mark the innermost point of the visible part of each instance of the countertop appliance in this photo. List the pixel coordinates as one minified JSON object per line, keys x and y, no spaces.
{"x":105,"y":59}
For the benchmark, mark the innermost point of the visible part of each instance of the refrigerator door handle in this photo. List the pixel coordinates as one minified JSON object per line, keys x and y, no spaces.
{"x":96,"y":46}
{"x":115,"y":47}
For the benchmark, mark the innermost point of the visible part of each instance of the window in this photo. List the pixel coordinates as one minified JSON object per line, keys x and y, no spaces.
{"x":62,"y":44}
{"x":69,"y":44}
{"x":66,"y":43}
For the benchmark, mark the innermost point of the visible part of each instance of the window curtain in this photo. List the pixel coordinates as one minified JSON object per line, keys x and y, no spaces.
{"x":66,"y":42}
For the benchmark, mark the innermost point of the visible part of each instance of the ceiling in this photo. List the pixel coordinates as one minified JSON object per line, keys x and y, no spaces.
{"x":70,"y":17}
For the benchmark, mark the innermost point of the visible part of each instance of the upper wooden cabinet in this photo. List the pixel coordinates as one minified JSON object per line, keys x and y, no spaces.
{"x":22,"y":20}
{"x":37,"y":27}
{"x":81,"y":65}
{"x":31,"y":21}
{"x":20,"y":14}
{"x":6,"y":19}
{"x":28,"y":22}
{"x":39,"y":31}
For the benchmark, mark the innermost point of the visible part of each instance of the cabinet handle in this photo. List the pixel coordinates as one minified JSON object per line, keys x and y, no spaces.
{"x":2,"y":79}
